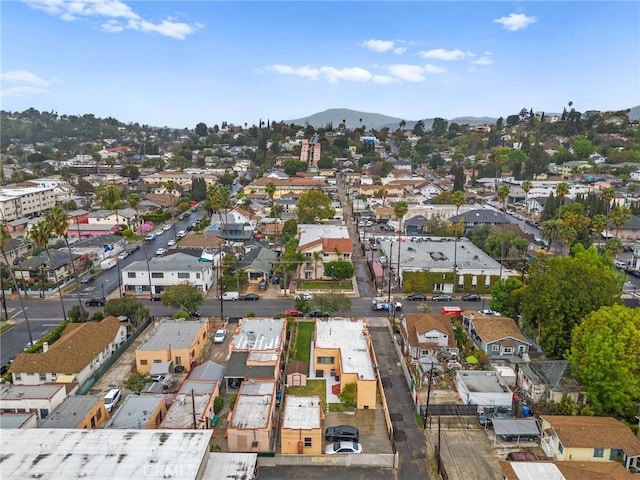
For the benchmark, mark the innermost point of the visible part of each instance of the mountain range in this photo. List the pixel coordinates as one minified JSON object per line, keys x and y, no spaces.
{"x":354,"y":119}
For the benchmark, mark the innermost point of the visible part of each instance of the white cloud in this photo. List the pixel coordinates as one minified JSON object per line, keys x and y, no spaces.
{"x":515,"y":21}
{"x":379,"y":45}
{"x":306,"y":71}
{"x":483,"y":60}
{"x":442,"y":54}
{"x":384,"y":79}
{"x":354,"y":74}
{"x":428,"y":68}
{"x":113,"y":11}
{"x":408,"y":73}
{"x":24,"y":83}
{"x":399,"y":50}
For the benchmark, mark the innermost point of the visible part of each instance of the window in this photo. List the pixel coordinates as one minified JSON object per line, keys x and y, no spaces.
{"x":178,"y":360}
{"x":197,"y":274}
{"x":508,"y":350}
{"x":144,"y":362}
{"x":157,"y":275}
{"x":560,"y":448}
{"x":307,"y":441}
{"x":157,"y":360}
{"x":18,"y":376}
{"x":183,"y":275}
{"x":99,"y":414}
{"x":326,"y":360}
{"x":495,"y":348}
{"x":131,"y":274}
{"x":43,"y":377}
{"x":598,"y":452}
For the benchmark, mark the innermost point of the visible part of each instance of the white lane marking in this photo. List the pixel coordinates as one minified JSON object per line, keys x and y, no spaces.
{"x":18,"y":312}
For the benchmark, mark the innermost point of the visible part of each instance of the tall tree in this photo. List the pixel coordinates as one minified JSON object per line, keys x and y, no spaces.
{"x":40,"y":233}
{"x":400,"y":209}
{"x":185,"y":297}
{"x":550,"y":231}
{"x":619,"y":216}
{"x":5,"y":238}
{"x":605,"y":357}
{"x":607,"y":196}
{"x":562,"y":190}
{"x":526,"y":188}
{"x":314,"y":205}
{"x":58,"y":223}
{"x":503,"y":195}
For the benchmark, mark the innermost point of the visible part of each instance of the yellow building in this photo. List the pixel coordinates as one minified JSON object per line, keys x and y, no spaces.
{"x":342,"y":350}
{"x":78,"y":411}
{"x":182,"y":342}
{"x":301,"y":432}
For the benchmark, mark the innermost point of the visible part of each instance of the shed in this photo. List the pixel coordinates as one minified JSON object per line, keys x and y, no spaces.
{"x":297,"y":374}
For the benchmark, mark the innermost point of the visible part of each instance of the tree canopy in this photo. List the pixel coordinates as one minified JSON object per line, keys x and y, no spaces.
{"x":339,"y":270}
{"x":557,"y":299}
{"x":605,"y":357}
{"x":314,"y":205}
{"x":184,"y":297}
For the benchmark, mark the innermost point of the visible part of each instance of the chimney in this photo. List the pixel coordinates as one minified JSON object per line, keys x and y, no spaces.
{"x":45,"y":347}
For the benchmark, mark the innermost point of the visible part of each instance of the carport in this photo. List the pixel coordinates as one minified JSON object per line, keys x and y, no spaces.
{"x":517,"y":429}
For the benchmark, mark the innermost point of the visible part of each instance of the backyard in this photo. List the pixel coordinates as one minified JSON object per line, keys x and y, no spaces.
{"x":326,"y":285}
{"x":302,"y":345}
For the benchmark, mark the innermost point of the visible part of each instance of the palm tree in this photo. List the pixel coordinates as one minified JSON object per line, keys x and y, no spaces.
{"x":400,"y":209}
{"x":40,"y":235}
{"x":503,"y":195}
{"x":526,"y":187}
{"x":551,"y":231}
{"x":619,"y":216}
{"x":270,"y":190}
{"x":562,"y":190}
{"x":171,"y":186}
{"x":567,"y":234}
{"x":607,"y":196}
{"x":5,"y":237}
{"x":134,"y":201}
{"x":57,"y":222}
{"x":458,"y":199}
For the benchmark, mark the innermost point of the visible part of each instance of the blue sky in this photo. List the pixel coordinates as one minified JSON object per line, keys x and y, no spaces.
{"x":177,"y":63}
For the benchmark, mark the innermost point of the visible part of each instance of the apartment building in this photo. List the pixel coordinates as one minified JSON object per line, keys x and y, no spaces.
{"x":18,"y":202}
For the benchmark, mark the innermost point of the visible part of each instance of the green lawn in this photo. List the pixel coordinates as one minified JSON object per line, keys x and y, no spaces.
{"x":5,"y":326}
{"x":304,"y":336}
{"x":314,"y":387}
{"x":325,"y":285}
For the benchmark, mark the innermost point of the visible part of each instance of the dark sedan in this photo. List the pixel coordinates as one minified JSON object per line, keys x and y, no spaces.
{"x":442,"y":298}
{"x":88,"y":279}
{"x":250,"y":297}
{"x":96,"y":302}
{"x":341,"y":433}
{"x":318,"y":313}
{"x":472,"y":297}
{"x":417,"y":297}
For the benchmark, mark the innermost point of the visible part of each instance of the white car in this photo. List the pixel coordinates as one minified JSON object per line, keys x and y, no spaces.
{"x":111,"y":399}
{"x":166,"y":227}
{"x":303,"y":296}
{"x":181,"y":234}
{"x":343,"y":447}
{"x":123,"y":255}
{"x":171,"y":242}
{"x":160,"y":251}
{"x":220,"y":335}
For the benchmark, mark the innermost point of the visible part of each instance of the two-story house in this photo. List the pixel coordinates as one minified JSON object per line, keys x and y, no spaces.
{"x":33,"y":269}
{"x":427,"y":334}
{"x":74,"y":357}
{"x":319,"y":245}
{"x":157,"y":273}
{"x":234,"y":226}
{"x":496,"y":336}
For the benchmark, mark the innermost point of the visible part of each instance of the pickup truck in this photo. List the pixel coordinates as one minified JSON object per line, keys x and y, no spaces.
{"x":150,"y":238}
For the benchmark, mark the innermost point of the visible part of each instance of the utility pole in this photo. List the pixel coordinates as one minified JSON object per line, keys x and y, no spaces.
{"x":426,"y":408}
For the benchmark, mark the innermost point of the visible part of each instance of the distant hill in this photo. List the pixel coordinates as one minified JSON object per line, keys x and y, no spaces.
{"x":352,"y":118}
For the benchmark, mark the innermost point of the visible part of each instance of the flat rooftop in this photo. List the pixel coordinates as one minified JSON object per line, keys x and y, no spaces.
{"x":436,"y":254}
{"x":135,"y":411}
{"x":31,"y":392}
{"x":71,"y":411}
{"x":302,"y":413}
{"x":198,"y":386}
{"x":348,"y":336}
{"x":482,"y":381}
{"x":172,"y":333}
{"x":259,"y":334}
{"x":226,"y":466}
{"x":181,"y":411}
{"x":253,"y":405}
{"x":14,"y":420}
{"x":53,"y":454}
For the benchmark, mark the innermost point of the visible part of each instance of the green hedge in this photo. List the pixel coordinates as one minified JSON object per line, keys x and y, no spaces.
{"x":424,"y":282}
{"x":157,"y":217}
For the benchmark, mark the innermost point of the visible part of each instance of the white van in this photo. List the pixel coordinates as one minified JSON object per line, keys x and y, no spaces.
{"x":111,"y":399}
{"x":107,"y":264}
{"x":231,"y":296}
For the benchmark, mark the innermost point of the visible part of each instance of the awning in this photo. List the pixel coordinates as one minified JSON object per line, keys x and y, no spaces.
{"x":66,"y":378}
{"x":520,"y":426}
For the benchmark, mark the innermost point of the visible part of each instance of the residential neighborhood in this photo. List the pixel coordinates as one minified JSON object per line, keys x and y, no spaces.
{"x":345,"y":298}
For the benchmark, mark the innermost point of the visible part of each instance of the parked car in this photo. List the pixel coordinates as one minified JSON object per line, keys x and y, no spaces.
{"x":318,"y":313}
{"x":341,"y":433}
{"x":220,"y":335}
{"x":134,"y":248}
{"x":292,"y":312}
{"x":303,"y":296}
{"x":171,"y":242}
{"x":123,"y":255}
{"x":275,"y":279}
{"x":262,"y":286}
{"x":442,"y":298}
{"x":96,"y":302}
{"x":523,"y":457}
{"x":486,"y":419}
{"x":488,"y":311}
{"x":343,"y":447}
{"x":471,"y":297}
{"x":88,"y":279}
{"x":166,"y":228}
{"x":417,"y":297}
{"x":111,"y":399}
{"x":156,"y":298}
{"x":250,"y":297}
{"x":510,"y":437}
{"x":160,"y":251}
{"x":231,"y":296}
{"x":635,"y":273}
{"x":179,"y":369}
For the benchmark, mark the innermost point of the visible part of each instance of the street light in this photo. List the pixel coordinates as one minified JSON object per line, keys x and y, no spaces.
{"x":103,"y":290}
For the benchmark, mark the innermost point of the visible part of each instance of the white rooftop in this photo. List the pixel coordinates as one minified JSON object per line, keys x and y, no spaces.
{"x":311,"y":233}
{"x":302,"y":413}
{"x":253,"y":405}
{"x":62,"y":454}
{"x":349,"y":337}
{"x":536,"y":471}
{"x":182,"y":410}
{"x":259,"y":334}
{"x":31,"y":392}
{"x":225,"y":466}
